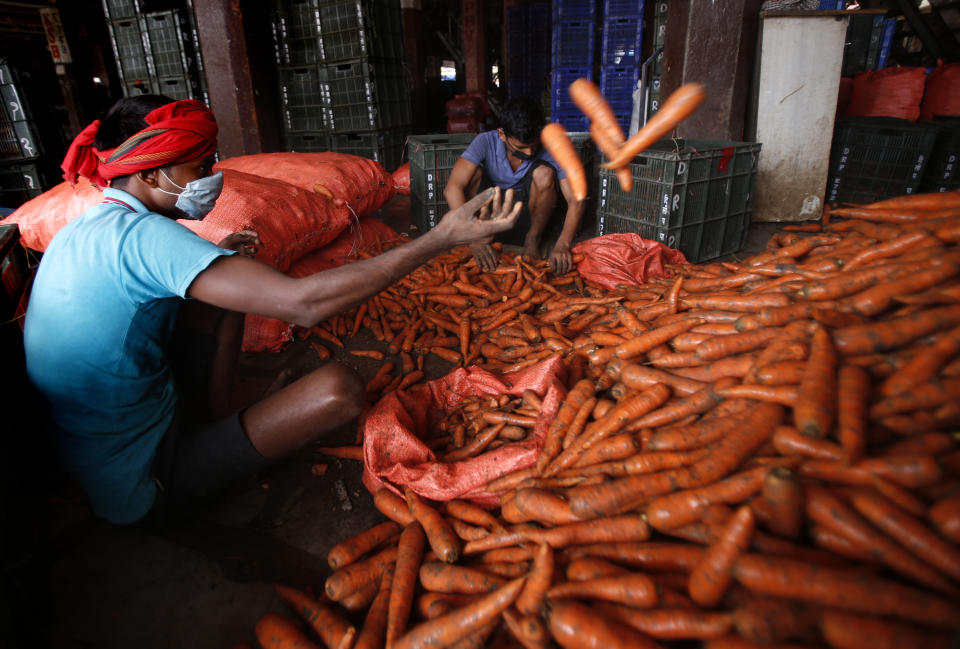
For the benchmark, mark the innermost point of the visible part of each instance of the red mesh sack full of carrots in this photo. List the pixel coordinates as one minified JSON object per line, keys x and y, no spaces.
{"x":397,"y":432}
{"x":263,"y":334}
{"x":891,"y":92}
{"x":942,"y":96}
{"x":624,"y":259}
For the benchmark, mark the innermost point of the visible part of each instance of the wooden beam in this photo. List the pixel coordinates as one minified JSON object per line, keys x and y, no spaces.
{"x":474,"y":45}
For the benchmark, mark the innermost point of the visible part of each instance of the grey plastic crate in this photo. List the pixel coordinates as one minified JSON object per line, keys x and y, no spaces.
{"x":693,"y":195}
{"x":120,"y":9}
{"x":18,"y":137}
{"x":304,"y":100}
{"x":19,"y":183}
{"x":386,"y":147}
{"x":177,"y":87}
{"x":297,"y":33}
{"x":164,"y":38}
{"x":140,"y":87}
{"x":353,"y":29}
{"x":306,"y":142}
{"x":130,"y":50}
{"x":364,"y":95}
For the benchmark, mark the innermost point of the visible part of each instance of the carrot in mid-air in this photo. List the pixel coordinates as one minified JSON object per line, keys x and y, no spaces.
{"x":556,"y":141}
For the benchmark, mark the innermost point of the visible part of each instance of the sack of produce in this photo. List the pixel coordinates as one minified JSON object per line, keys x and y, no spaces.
{"x":891,"y":92}
{"x":624,"y":259}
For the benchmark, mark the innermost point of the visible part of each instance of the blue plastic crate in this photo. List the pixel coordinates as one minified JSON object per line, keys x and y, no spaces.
{"x":832,"y":5}
{"x":886,"y":42}
{"x":617,"y":83}
{"x":573,"y":121}
{"x":561,"y":78}
{"x":622,"y":41}
{"x":574,"y":9}
{"x":573,"y":43}
{"x":623,"y":8}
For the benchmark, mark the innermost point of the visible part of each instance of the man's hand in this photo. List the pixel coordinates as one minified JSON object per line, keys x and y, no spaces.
{"x":487,"y":258}
{"x":244,"y":242}
{"x":480,"y":218}
{"x":561,"y":260}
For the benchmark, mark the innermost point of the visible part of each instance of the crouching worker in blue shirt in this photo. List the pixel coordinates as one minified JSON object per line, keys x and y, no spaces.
{"x":512,"y":157}
{"x":106,"y":298}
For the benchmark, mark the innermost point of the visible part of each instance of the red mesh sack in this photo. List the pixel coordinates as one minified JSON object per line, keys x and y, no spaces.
{"x":394,"y":455}
{"x":401,"y":179}
{"x":463,"y":125}
{"x":42,"y":217}
{"x":465,"y":106}
{"x":616,"y":259}
{"x":891,"y":92}
{"x":942,"y":95}
{"x":364,"y":184}
{"x":263,"y":334}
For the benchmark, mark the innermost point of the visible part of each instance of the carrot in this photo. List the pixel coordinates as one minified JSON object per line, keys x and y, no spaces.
{"x":722,"y":346}
{"x":586,"y":568}
{"x":443,"y":541}
{"x":617,"y":447}
{"x":352,"y":577}
{"x":915,"y":472}
{"x":926,"y":201}
{"x":538,"y":581}
{"x":409,"y":555}
{"x":925,"y":364}
{"x":844,"y":630}
{"x":851,"y":590}
{"x":786,"y":395}
{"x":556,"y":141}
{"x":528,"y":629}
{"x":698,"y":402}
{"x":771,"y":621}
{"x":356,"y":546}
{"x":782,"y":495}
{"x":650,"y":339}
{"x":624,"y":528}
{"x":586,"y":95}
{"x":634,"y":589}
{"x":788,"y":442}
{"x":853,"y":388}
{"x":945,"y":517}
{"x":274,"y":631}
{"x":373,"y":632}
{"x":684,"y":507}
{"x":471,"y":513}
{"x":711,"y":577}
{"x":392,"y":506}
{"x":674,"y":110}
{"x":824,"y":508}
{"x":639,"y":377}
{"x":780,"y":373}
{"x":461,"y":623}
{"x":539,"y":505}
{"x":579,"y":422}
{"x":576,"y":626}
{"x":695,"y":435}
{"x":889,"y":334}
{"x":670,"y":623}
{"x":891,"y":248}
{"x":578,"y":395}
{"x":446,"y":578}
{"x":815,"y":411}
{"x":668,"y":557}
{"x":838,"y":544}
{"x":335,"y":631}
{"x":343,"y":452}
{"x":878,"y":299}
{"x":911,"y":533}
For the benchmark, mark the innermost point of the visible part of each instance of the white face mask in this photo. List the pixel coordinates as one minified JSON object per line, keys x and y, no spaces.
{"x":197,"y":199}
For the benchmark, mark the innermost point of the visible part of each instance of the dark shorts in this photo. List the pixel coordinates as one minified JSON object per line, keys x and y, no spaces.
{"x":515,"y":236}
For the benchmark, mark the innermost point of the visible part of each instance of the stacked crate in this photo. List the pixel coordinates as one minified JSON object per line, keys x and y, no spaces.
{"x":343,"y":81}
{"x":621,"y":56}
{"x":528,"y":49}
{"x":660,"y":8}
{"x":573,"y":29}
{"x":20,"y":178}
{"x":157,"y":52}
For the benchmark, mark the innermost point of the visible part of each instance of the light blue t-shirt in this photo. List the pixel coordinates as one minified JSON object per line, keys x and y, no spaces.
{"x":487,"y":150}
{"x":101,"y":312}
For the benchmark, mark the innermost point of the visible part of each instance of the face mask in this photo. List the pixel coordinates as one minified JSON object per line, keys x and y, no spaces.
{"x":197,"y":199}
{"x":518,"y":154}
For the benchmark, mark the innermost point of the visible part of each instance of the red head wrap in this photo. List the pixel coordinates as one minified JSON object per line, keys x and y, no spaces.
{"x":177,"y":132}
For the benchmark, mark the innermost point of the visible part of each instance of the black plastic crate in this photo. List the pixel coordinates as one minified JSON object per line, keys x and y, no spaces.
{"x":306,"y":142}
{"x":364,"y":95}
{"x":386,"y":147}
{"x":19,"y":183}
{"x":943,"y":170}
{"x":163,"y":35}
{"x":573,"y":43}
{"x":875,"y":158}
{"x":297,"y":32}
{"x":618,"y":8}
{"x":177,"y":87}
{"x":304,"y":102}
{"x":622,"y":41}
{"x":18,"y":137}
{"x":130,"y":50}
{"x":693,"y":195}
{"x":353,"y":29}
{"x":120,"y":9}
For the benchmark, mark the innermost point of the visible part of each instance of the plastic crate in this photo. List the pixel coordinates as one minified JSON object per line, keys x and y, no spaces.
{"x":302,"y":95}
{"x":943,"y":170}
{"x":660,"y":23}
{"x":18,"y":137}
{"x":177,"y":87}
{"x":617,"y":83}
{"x":297,"y":32}
{"x":306,"y":142}
{"x":573,"y":9}
{"x":129,"y":50}
{"x":163,"y":35}
{"x":386,"y":147}
{"x":140,"y":87}
{"x":874,"y":158}
{"x":572,"y":44}
{"x":693,"y":195}
{"x":622,"y":42}
{"x":363,"y":95}
{"x":623,"y":8}
{"x":353,"y":29}
{"x":120,"y":9}
{"x":19,"y":183}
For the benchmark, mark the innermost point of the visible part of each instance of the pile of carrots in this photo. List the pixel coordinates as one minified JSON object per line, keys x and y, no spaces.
{"x":752,"y":454}
{"x":478,"y":424}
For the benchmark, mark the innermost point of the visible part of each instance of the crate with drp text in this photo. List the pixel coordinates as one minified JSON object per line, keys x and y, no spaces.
{"x":943,"y":171}
{"x":692,"y":195}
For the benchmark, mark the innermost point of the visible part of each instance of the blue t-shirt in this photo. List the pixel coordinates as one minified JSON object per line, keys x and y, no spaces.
{"x":487,"y":150}
{"x":102,"y":309}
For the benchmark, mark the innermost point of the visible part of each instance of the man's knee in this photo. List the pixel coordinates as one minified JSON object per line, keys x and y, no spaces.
{"x":346,"y":388}
{"x":543,"y":178}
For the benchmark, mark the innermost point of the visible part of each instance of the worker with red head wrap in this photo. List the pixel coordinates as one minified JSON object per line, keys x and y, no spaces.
{"x":104,"y":348}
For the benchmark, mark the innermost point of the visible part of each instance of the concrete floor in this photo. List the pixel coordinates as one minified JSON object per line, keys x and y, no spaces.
{"x":204,"y":582}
